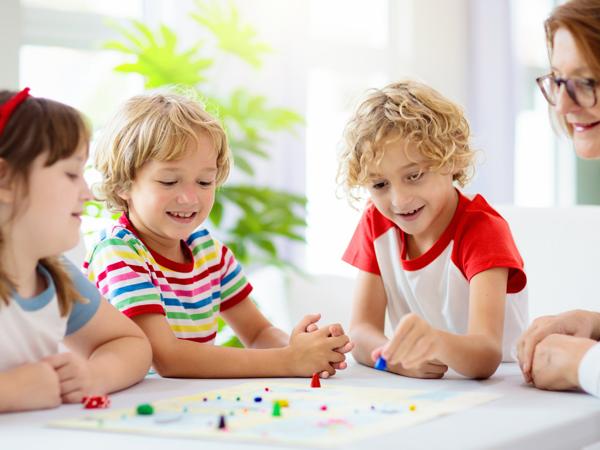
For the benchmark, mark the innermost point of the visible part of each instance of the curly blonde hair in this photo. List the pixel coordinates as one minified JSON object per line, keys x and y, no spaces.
{"x":154,"y":126}
{"x":412,"y":111}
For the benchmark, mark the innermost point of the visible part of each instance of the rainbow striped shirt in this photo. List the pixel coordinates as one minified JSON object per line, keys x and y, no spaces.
{"x":137,"y":280}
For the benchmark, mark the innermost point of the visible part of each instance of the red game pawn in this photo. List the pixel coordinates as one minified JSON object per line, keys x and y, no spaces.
{"x":315,"y":383}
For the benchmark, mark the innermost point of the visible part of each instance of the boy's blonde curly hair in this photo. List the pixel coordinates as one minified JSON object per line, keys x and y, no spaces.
{"x":412,"y":111}
{"x":154,"y":126}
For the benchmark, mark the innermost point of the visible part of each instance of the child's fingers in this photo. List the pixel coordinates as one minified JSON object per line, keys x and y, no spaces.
{"x":312,"y":327}
{"x":335,"y":357}
{"x":338,"y":341}
{"x":341,"y":365}
{"x":306,"y":321}
{"x":402,"y":331}
{"x":66,"y":372}
{"x":418,"y":354}
{"x":336,"y":329}
{"x":346,"y":348}
{"x":376,"y":353}
{"x":58,"y":360}
{"x":73,"y":397}
{"x":435,"y":369}
{"x":69,"y":386}
{"x":403,"y":349}
{"x":330,"y":371}
{"x":324,"y":374}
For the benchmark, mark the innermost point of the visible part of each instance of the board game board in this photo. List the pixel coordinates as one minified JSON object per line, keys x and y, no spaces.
{"x":319,"y":417}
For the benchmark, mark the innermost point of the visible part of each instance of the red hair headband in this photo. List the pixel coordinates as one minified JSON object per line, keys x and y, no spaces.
{"x":6,"y":109}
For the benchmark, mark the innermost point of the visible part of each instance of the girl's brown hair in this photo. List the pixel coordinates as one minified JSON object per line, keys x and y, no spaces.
{"x":40,"y":126}
{"x":582,"y":19}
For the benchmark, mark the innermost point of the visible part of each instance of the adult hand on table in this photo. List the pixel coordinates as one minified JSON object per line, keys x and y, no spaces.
{"x":556,"y":361}
{"x":573,"y":323}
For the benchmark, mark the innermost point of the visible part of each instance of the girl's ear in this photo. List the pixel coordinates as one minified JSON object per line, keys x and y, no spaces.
{"x":7,"y":183}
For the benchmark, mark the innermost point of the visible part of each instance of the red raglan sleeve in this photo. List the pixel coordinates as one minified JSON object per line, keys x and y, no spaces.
{"x":484,"y":241}
{"x":361,"y":251}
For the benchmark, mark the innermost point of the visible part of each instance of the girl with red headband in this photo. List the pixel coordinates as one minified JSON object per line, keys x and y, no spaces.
{"x":45,"y":300}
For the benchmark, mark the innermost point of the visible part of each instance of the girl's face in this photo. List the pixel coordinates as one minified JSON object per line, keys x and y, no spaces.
{"x":568,"y":62}
{"x":168,"y":200}
{"x":47,"y":219}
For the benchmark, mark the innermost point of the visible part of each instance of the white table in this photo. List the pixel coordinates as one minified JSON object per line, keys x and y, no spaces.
{"x":523,"y":418}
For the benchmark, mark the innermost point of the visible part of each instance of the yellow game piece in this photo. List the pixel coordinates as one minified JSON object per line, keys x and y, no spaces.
{"x":413,"y":407}
{"x":283,"y":403}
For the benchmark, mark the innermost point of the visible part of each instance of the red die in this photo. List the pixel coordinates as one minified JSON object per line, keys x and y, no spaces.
{"x":97,"y":401}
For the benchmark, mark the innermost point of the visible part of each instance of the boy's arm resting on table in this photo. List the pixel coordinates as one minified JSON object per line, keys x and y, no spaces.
{"x":252,"y":328}
{"x":304,"y":355}
{"x":117,"y":351}
{"x":30,"y":386}
{"x":367,"y":329}
{"x":479,"y":353}
{"x":368,"y":316}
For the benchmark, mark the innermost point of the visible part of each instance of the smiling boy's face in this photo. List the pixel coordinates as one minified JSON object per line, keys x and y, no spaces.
{"x":168,"y":200}
{"x":403,"y":188}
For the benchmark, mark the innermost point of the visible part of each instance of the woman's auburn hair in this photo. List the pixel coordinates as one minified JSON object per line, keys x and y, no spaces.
{"x":411,"y":111}
{"x":154,"y":126}
{"x":39,"y":126}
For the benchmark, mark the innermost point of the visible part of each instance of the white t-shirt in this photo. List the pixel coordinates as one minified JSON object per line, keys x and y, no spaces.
{"x":435,"y":286}
{"x":32,"y":328}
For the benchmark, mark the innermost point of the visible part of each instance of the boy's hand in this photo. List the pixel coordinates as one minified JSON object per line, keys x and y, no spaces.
{"x":556,"y":361}
{"x":75,"y":376}
{"x":334,"y":330}
{"x":37,"y":386}
{"x":573,"y":323}
{"x":427,"y":369}
{"x":315,"y":352}
{"x":413,"y":344}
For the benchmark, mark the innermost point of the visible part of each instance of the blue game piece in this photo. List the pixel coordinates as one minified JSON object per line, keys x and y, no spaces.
{"x":257,"y":399}
{"x":381,"y":363}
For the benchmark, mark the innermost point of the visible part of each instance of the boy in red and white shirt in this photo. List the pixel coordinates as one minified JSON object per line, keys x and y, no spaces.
{"x":443,"y":265}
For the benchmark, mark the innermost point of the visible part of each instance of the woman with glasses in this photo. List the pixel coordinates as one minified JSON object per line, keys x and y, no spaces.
{"x":562,"y":352}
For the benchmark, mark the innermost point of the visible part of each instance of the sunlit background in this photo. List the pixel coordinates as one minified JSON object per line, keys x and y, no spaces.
{"x":484,"y":55}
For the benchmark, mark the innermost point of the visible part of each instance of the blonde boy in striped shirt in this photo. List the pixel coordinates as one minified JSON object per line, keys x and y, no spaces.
{"x":161,"y":159}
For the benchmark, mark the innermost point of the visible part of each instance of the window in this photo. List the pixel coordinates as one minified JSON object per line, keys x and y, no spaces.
{"x":545,"y":169}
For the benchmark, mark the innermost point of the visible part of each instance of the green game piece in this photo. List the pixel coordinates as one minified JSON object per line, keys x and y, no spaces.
{"x":145,"y":409}
{"x":276,"y":409}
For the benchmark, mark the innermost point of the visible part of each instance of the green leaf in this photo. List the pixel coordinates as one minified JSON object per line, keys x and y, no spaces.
{"x":232,"y":34}
{"x":233,"y":341}
{"x":220,"y":324}
{"x":267,"y":246}
{"x":157,"y":58}
{"x":243,"y":164}
{"x":216,"y":213}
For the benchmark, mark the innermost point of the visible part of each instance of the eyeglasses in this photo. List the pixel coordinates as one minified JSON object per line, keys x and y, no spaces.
{"x":581,"y":90}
